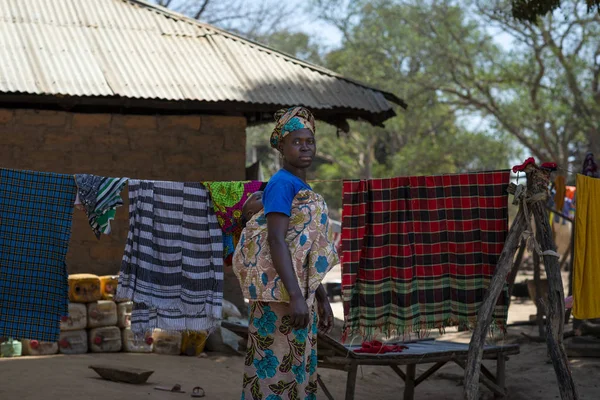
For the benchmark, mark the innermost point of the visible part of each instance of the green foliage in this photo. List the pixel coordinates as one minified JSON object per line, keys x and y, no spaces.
{"x":532,"y":10}
{"x":473,"y":104}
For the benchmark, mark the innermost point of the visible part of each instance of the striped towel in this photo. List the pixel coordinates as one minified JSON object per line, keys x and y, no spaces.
{"x":173,"y":262}
{"x":36,"y":212}
{"x":100,"y":198}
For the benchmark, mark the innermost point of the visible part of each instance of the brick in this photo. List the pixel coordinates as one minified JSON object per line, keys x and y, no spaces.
{"x":205,"y":142}
{"x":148,"y":141}
{"x":26,"y":136}
{"x":179,"y":122}
{"x":235,"y":140}
{"x":107,"y":253}
{"x":41,"y":117}
{"x":180,"y":160}
{"x":5,"y":116}
{"x":91,"y":121}
{"x":135,"y":160}
{"x":9,"y":153}
{"x":126,"y":123}
{"x":61,"y":139}
{"x":113,"y":141}
{"x":221,"y":124}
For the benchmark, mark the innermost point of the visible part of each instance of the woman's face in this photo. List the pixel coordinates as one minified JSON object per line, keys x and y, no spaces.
{"x":299,"y":148}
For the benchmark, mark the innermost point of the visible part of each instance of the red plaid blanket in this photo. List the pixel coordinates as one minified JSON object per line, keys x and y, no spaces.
{"x":419,"y":252}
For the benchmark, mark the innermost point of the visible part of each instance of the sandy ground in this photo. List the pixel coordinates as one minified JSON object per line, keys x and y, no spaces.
{"x":529,"y":375}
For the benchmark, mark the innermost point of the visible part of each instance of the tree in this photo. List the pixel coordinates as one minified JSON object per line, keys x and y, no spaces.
{"x":543,"y":91}
{"x":251,"y":19}
{"x":531,"y":10}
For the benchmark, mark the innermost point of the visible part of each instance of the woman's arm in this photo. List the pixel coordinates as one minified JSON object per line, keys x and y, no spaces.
{"x":325,"y":311}
{"x":277,"y":226}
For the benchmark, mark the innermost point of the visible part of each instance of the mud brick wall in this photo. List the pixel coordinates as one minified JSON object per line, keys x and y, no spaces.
{"x":179,"y":148}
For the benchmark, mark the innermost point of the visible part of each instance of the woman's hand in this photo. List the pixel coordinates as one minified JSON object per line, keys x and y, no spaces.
{"x":325,"y":315}
{"x":299,"y":314}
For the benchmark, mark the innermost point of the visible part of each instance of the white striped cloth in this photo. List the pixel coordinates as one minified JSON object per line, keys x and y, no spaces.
{"x":173,"y":262}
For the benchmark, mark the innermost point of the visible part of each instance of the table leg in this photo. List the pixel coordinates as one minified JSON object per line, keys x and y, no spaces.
{"x":409,"y":383}
{"x":324,"y":388}
{"x":351,"y":381}
{"x":501,"y":374}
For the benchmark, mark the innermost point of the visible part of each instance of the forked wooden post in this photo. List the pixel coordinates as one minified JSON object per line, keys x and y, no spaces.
{"x":531,"y":201}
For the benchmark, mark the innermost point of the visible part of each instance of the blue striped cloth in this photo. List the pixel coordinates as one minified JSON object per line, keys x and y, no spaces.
{"x":36,"y":210}
{"x":172,"y":268}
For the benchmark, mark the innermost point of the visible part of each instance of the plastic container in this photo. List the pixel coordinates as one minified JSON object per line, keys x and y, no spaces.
{"x":84,"y":288}
{"x":133,"y":345}
{"x":73,"y":342}
{"x":192,"y":343}
{"x":108,"y":286}
{"x":11,"y":348}
{"x":106,"y":339}
{"x":124,"y":314}
{"x":101,"y":313}
{"x":37,"y":348}
{"x":166,"y":342}
{"x":77,"y":318}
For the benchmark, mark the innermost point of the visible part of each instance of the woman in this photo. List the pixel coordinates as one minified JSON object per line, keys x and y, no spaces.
{"x":283,"y":255}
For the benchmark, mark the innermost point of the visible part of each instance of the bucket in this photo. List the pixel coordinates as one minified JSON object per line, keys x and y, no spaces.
{"x":108,"y":286}
{"x":11,"y":348}
{"x":124,"y":314}
{"x":106,"y":339}
{"x":73,"y":342}
{"x":37,"y":348}
{"x":101,"y":313}
{"x":84,"y":288}
{"x":133,"y":345}
{"x":77,"y":318}
{"x":167,"y":342}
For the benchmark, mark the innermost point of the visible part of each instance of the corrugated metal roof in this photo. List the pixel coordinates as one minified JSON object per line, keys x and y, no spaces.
{"x":131,"y":49}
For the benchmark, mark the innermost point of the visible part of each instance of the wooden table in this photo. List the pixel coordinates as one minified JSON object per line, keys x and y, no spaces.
{"x":334,"y":355}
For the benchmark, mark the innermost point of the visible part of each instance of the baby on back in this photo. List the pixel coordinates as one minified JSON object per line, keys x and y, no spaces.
{"x":251,"y":207}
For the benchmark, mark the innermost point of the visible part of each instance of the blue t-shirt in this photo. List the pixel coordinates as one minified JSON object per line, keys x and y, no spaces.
{"x":280,"y":192}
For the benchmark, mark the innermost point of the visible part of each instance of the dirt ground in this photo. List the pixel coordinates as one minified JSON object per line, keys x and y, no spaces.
{"x":529,"y":375}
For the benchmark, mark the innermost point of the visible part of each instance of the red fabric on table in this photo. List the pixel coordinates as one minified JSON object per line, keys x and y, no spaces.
{"x":376,"y":347}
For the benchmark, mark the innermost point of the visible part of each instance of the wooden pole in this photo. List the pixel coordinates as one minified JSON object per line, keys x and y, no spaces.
{"x":533,"y":201}
{"x":515,"y":270}
{"x":555,"y":309}
{"x":539,"y":316}
{"x":484,"y":316}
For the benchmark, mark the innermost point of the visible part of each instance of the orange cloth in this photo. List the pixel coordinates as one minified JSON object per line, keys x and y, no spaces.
{"x":586,"y":268}
{"x":559,"y":197}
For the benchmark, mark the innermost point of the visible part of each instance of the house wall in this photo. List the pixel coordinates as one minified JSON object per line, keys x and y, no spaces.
{"x":181,"y":148}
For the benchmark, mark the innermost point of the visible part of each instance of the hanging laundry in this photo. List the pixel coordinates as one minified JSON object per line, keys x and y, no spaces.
{"x":36,"y":211}
{"x":419,"y":252}
{"x":174,"y":255}
{"x":586,"y":267}
{"x":100,"y":198}
{"x":590,"y":168}
{"x":561,"y":191}
{"x":228,"y":199}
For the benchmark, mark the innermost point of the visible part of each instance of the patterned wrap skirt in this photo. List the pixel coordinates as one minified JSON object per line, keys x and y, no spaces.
{"x":281,"y":362}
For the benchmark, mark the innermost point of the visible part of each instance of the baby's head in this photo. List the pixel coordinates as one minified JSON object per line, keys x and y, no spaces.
{"x":252,"y":206}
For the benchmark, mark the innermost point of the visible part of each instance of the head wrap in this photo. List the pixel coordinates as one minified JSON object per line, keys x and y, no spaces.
{"x":290,"y":120}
